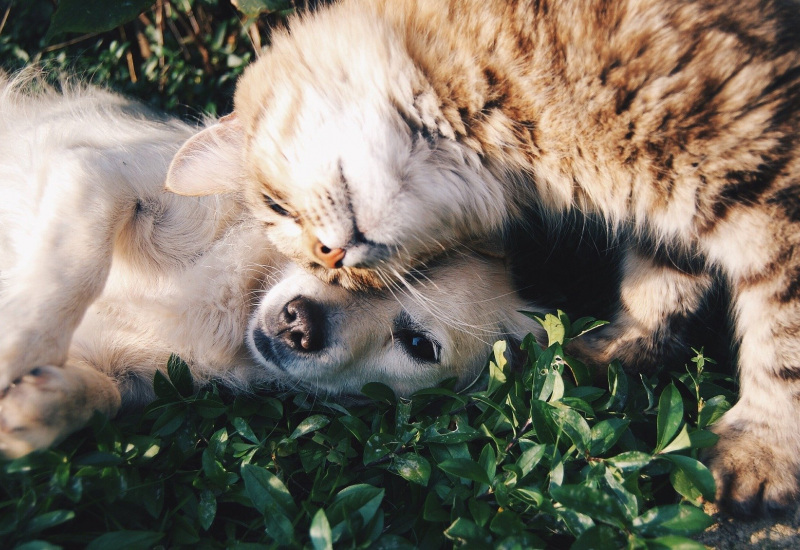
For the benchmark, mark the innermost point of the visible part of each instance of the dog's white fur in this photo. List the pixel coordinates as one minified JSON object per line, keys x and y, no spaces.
{"x":103,"y":275}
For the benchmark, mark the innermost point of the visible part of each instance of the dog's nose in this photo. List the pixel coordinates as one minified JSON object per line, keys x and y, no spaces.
{"x":301,"y":325}
{"x":329,"y":257}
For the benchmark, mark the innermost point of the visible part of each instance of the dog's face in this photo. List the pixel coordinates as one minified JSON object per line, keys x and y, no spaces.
{"x":326,"y":339}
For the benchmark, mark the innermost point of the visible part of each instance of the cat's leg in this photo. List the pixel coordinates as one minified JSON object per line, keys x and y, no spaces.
{"x":756,"y":461}
{"x":656,"y":299}
{"x":48,"y":403}
{"x":63,"y":261}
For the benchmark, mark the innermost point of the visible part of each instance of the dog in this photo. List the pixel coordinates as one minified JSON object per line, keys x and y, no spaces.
{"x":104,"y":275}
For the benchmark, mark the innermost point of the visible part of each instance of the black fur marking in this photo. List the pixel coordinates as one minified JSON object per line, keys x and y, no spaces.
{"x":788,"y":200}
{"x":781,"y":82}
{"x":604,"y":73}
{"x":788,"y":374}
{"x":417,"y":130}
{"x":747,"y":187}
{"x":491,"y":77}
{"x":624,"y":100}
{"x":792,"y":290}
{"x":631,"y":130}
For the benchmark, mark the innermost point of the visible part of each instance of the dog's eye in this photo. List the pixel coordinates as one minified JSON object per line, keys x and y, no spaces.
{"x":419,"y":346}
{"x":277,"y":208}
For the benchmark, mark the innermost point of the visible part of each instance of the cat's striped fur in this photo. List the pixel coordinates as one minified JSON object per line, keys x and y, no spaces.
{"x":387,"y":130}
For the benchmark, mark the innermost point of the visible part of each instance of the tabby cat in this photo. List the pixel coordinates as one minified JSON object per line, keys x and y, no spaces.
{"x":377,"y":133}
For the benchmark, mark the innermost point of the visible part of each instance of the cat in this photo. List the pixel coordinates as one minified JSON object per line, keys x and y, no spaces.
{"x":103,"y":276}
{"x":378,"y":133}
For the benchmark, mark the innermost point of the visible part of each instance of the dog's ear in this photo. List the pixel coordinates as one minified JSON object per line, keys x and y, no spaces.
{"x":210,"y":162}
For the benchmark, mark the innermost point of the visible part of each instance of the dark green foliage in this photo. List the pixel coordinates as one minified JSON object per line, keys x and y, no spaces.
{"x":534,"y":460}
{"x":182,"y":56}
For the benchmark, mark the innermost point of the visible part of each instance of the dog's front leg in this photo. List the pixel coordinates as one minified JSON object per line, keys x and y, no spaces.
{"x":63,"y":260}
{"x":49,"y":403}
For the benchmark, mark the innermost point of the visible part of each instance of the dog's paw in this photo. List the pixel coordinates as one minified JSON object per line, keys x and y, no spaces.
{"x":756,"y":475}
{"x":36,"y":410}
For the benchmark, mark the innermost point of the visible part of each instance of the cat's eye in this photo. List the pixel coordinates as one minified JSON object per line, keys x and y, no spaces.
{"x":275,"y":207}
{"x":419,"y":346}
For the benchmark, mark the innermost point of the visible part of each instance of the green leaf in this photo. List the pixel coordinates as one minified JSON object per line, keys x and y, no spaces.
{"x":605,"y":435}
{"x":614,"y":482}
{"x":631,"y":460}
{"x":618,"y":387}
{"x":48,"y":520}
{"x":462,"y":434}
{"x":206,"y":509}
{"x":692,"y":474}
{"x":487,"y":461}
{"x":93,"y":16}
{"x":598,"y":537}
{"x":543,"y":423}
{"x":712,"y":410}
{"x":179,"y":375}
{"x":480,"y":511}
{"x":554,"y":327}
{"x":574,"y":425}
{"x":356,"y":427}
{"x":361,"y":498}
{"x":320,"y":531}
{"x":591,"y":502}
{"x":465,"y":468}
{"x":670,"y":416}
{"x":681,"y":442}
{"x":310,"y":424}
{"x":267,"y":492}
{"x":164,"y":388}
{"x":412,"y":467}
{"x":584,"y":325}
{"x":279,"y":528}
{"x":672,"y":519}
{"x":379,"y":392}
{"x":580,"y":372}
{"x":254,"y":8}
{"x":378,"y":446}
{"x":701,"y":439}
{"x":129,"y":540}
{"x":468,"y":532}
{"x":530,"y":458}
{"x":497,"y":376}
{"x":37,"y":545}
{"x":433,"y":511}
{"x":244,"y":429}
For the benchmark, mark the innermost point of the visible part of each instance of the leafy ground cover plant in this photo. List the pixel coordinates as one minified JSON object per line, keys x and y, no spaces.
{"x":182,"y":56}
{"x":532,"y":458}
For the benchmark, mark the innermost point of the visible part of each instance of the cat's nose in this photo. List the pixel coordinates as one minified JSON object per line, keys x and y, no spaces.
{"x":331,"y":258}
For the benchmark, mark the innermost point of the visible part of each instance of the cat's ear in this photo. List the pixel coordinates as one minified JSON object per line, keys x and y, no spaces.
{"x":210,"y":162}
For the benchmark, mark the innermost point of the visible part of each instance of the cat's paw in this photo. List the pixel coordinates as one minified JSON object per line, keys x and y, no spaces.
{"x":756,"y":474}
{"x":37,"y":410}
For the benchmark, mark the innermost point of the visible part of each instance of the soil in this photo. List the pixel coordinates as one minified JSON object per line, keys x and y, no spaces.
{"x":765,"y":534}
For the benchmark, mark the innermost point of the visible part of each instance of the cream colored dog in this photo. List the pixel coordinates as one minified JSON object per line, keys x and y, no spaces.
{"x":104,"y":275}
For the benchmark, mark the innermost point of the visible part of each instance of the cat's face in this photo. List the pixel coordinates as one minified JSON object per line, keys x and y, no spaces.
{"x":325,"y":339}
{"x":343,"y":150}
{"x":349,"y":186}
